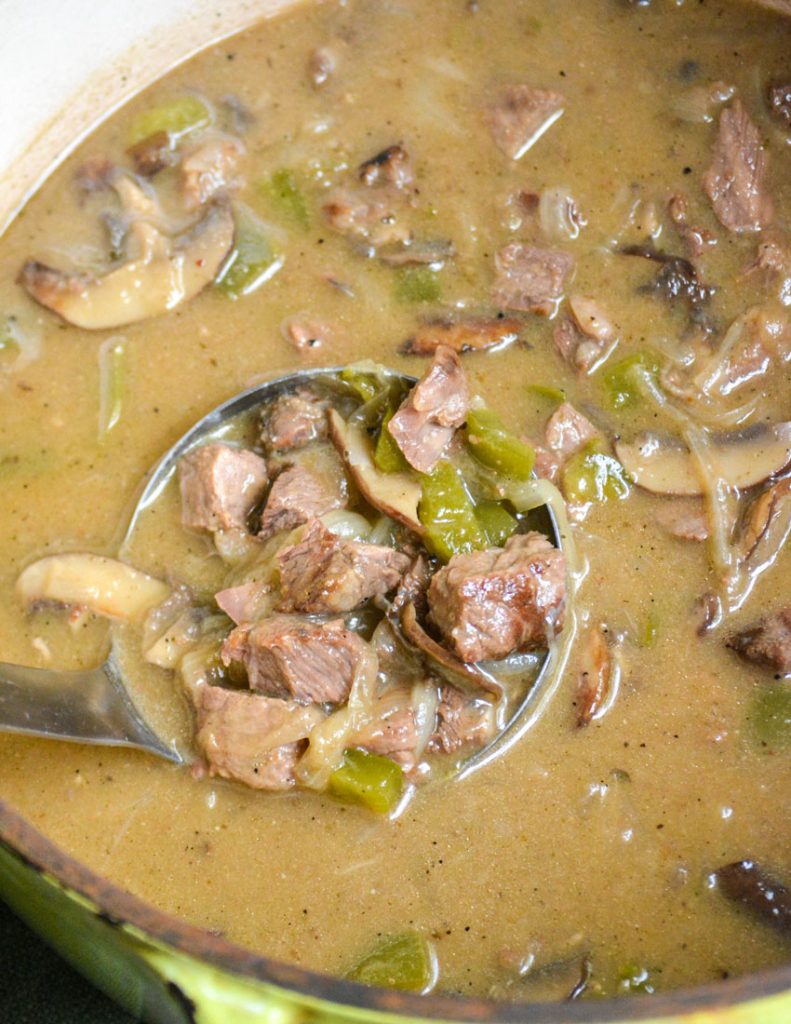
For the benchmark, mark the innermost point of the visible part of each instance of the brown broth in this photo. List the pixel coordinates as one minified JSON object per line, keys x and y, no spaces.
{"x":600,"y":840}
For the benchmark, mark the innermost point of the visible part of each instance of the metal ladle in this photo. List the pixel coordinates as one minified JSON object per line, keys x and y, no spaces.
{"x":94,"y":706}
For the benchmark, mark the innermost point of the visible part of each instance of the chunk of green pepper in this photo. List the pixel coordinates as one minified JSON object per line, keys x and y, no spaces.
{"x":622,"y":379}
{"x":283,"y":193}
{"x":367,"y":385}
{"x":417,"y":284}
{"x":554,"y":395}
{"x":593,"y":475}
{"x":769,"y":717}
{"x":404,"y":962}
{"x":496,"y":522}
{"x":387,"y":455}
{"x":252,"y":259}
{"x":447,"y":513}
{"x":496,"y":447}
{"x":368,"y":779}
{"x":635,"y":978}
{"x":177,"y":117}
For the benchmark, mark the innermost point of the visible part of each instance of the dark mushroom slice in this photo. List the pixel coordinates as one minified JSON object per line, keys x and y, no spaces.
{"x":476,"y":334}
{"x":167,"y":272}
{"x":599,"y":678}
{"x":395,"y":494}
{"x":744,"y":458}
{"x":748,"y":883}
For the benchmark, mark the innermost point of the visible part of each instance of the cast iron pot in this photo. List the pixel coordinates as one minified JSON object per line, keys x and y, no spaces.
{"x":158,"y":968}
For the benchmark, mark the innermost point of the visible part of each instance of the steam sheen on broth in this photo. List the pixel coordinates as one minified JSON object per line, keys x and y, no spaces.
{"x":646,"y":149}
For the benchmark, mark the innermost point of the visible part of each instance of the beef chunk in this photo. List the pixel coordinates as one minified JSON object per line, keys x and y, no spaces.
{"x":209,"y":170}
{"x":292,"y":421}
{"x":736,"y":181}
{"x":326,"y":574}
{"x":462,"y":721}
{"x":684,"y":518}
{"x":424,"y":425}
{"x":296,"y":496}
{"x":584,"y":338}
{"x":521,"y":116}
{"x":252,"y":739}
{"x":220,"y":486}
{"x":289,"y":657}
{"x":475,"y":334}
{"x":366,"y":214}
{"x":778,"y":98}
{"x":567,"y":431}
{"x":529,"y":278}
{"x":773,"y":263}
{"x":487,"y":604}
{"x":768,"y":643}
{"x":390,"y":167}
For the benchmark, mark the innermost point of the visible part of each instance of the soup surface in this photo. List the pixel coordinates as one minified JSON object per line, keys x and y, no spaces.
{"x":651,"y":148}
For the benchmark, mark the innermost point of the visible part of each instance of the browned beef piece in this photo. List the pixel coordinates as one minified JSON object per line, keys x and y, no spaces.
{"x":487,"y":604}
{"x":567,"y":431}
{"x":367,"y":214}
{"x":296,"y":496}
{"x":290,"y":657}
{"x":239,"y":734}
{"x":153,"y":154}
{"x":475,"y":334}
{"x":773,"y":263}
{"x":684,"y":518}
{"x":521,"y":116}
{"x":585,"y":337}
{"x":390,"y":167}
{"x":736,"y":181}
{"x":768,"y":643}
{"x":324,"y":574}
{"x":529,"y":278}
{"x":462,"y":721}
{"x":437,"y":405}
{"x":209,"y":169}
{"x":292,"y":421}
{"x":778,"y":97}
{"x":220,"y":486}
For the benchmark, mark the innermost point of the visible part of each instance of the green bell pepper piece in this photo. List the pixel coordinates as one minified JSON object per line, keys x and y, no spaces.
{"x":769,"y":717}
{"x":387,"y":455}
{"x":403,"y":961}
{"x":496,"y":522}
{"x":447,"y":513}
{"x":496,"y":447}
{"x":177,"y":117}
{"x":368,"y":779}
{"x":622,"y":379}
{"x":285,"y":196}
{"x":593,"y":475}
{"x":554,"y":395}
{"x":252,"y":259}
{"x":417,"y":284}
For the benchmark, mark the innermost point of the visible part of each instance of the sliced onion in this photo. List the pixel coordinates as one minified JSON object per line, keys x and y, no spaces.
{"x":559,"y":215}
{"x":347,"y":525}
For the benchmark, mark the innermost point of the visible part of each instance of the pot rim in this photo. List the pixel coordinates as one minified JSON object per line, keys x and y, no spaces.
{"x":122,"y":908}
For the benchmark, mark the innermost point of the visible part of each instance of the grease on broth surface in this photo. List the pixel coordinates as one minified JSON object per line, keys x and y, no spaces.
{"x":594,"y":842}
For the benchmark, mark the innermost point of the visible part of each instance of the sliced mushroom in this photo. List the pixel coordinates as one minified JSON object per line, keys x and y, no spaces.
{"x":448,"y":664}
{"x":743,"y":459}
{"x":167,"y":272}
{"x":102,"y":585}
{"x":599,"y":677}
{"x":395,"y":494}
{"x":764,"y":532}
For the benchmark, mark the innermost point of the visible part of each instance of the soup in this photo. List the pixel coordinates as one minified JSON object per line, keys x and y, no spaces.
{"x":589,"y":203}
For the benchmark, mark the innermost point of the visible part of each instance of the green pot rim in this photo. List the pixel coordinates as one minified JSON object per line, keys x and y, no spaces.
{"x":122,"y":908}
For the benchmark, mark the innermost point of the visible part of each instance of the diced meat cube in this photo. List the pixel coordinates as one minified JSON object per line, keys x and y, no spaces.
{"x":209,"y":170}
{"x":293,"y":421}
{"x":685,"y":519}
{"x":768,"y":643}
{"x":567,"y":431}
{"x":487,"y":604}
{"x":246,"y":602}
{"x":462,"y":721}
{"x":736,"y":181}
{"x":252,"y":739}
{"x":390,"y":167}
{"x":367,"y":214}
{"x":325,"y":574}
{"x":475,"y":334}
{"x":529,"y":278}
{"x":778,"y":96}
{"x":220,"y":486}
{"x":290,"y":657}
{"x":429,"y":416}
{"x":296,"y":496}
{"x":521,"y":116}
{"x":584,"y":338}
